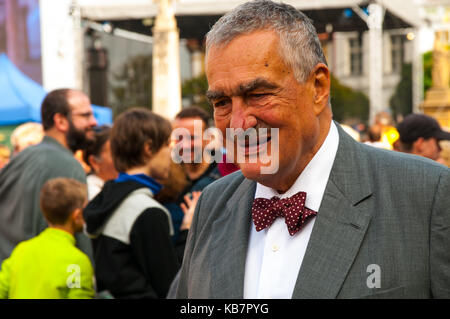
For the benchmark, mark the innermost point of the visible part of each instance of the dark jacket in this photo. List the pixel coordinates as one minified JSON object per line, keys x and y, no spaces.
{"x":131,"y":231}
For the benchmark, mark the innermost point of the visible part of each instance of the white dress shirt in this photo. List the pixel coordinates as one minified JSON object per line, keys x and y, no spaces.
{"x":274,"y":257}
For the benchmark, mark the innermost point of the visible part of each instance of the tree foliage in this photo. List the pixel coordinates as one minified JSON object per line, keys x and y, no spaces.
{"x":133,"y":84}
{"x":195,"y":90}
{"x":427,"y":69}
{"x":401,"y":101}
{"x":347,"y":103}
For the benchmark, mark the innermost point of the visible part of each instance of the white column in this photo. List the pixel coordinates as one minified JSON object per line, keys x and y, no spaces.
{"x":375,"y":24}
{"x":166,"y":97}
{"x":341,"y":65}
{"x":62,"y":45}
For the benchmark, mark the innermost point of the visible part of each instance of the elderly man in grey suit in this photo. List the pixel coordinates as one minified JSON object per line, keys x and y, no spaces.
{"x":338,"y":219}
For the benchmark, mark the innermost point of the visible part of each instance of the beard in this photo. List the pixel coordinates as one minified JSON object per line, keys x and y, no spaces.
{"x":77,"y":139}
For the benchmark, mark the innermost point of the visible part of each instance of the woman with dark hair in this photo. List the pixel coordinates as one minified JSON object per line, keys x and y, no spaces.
{"x":98,"y":156}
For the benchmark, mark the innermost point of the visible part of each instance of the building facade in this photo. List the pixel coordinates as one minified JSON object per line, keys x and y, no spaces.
{"x":348,"y":58}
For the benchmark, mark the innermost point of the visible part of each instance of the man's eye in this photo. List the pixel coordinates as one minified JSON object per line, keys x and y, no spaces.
{"x":220,"y":103}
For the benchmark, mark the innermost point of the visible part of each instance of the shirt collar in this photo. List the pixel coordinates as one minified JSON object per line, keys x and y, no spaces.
{"x":60,"y":234}
{"x":314,"y":177}
{"x":95,"y":180}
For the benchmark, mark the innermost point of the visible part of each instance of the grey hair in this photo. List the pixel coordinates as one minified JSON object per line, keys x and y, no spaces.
{"x":300,"y":47}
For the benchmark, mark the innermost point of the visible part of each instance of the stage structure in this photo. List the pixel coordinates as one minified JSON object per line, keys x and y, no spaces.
{"x":195,"y":17}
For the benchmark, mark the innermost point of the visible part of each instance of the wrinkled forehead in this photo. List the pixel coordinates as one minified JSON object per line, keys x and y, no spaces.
{"x":245,"y":61}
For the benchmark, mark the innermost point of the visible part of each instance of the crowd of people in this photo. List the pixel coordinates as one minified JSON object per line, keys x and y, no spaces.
{"x":137,"y":205}
{"x":139,"y":225}
{"x":418,"y":134}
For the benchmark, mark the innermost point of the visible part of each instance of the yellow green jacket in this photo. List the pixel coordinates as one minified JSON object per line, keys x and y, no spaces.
{"x":48,"y":266}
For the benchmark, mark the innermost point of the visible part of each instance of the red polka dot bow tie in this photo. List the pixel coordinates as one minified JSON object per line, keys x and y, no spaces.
{"x":265,"y":211}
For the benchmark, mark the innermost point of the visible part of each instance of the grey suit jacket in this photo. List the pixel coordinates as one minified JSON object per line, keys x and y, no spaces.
{"x":382,"y":231}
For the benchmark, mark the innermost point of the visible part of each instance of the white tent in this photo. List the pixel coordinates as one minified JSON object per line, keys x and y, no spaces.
{"x":407,"y":10}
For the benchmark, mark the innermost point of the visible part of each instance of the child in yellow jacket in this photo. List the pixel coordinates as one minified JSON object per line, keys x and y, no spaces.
{"x":49,"y":266}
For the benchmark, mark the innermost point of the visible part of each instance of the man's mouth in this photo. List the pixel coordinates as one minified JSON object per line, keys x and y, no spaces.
{"x":90,"y":133}
{"x":252,"y":146}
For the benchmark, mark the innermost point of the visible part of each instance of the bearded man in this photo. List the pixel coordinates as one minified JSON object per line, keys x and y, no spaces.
{"x":68,"y":122}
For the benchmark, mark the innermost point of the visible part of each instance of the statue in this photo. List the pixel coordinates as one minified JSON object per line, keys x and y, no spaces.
{"x":437,"y":98}
{"x":441,"y":62}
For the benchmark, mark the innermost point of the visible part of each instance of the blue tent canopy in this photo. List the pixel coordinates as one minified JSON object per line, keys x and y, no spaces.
{"x":21,"y":97}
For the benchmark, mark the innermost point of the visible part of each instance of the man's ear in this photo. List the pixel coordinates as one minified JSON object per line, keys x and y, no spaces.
{"x":417,"y":146}
{"x":321,"y":87}
{"x":61,"y":122}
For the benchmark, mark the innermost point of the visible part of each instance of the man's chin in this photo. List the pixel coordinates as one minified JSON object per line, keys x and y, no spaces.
{"x":90,"y":136}
{"x":255,"y":171}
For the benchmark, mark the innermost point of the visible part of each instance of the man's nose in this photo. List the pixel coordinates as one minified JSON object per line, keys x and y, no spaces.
{"x":241,"y":116}
{"x":92,"y":121}
{"x":188,"y":142}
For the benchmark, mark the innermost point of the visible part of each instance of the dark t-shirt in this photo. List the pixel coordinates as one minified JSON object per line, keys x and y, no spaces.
{"x":210,"y":175}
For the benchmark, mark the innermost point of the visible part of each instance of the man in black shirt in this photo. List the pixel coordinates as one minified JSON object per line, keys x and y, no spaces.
{"x":199,"y":170}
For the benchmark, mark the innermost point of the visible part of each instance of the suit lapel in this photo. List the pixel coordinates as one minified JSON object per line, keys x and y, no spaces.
{"x":340,"y":225}
{"x":231,"y":241}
